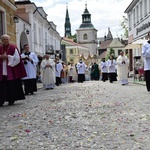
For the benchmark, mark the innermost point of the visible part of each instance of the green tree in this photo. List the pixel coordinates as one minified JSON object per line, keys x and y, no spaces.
{"x":110,"y":52}
{"x":74,"y":37}
{"x":124,"y":25}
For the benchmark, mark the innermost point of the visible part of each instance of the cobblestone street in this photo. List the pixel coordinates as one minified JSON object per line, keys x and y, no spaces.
{"x":93,"y":115}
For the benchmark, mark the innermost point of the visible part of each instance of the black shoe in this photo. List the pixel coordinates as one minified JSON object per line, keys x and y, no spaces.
{"x":11,"y":103}
{"x":32,"y":93}
{"x":26,"y":93}
{"x":1,"y":103}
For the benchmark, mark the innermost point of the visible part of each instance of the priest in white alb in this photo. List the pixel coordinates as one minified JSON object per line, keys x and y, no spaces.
{"x":48,"y":72}
{"x":122,"y":68}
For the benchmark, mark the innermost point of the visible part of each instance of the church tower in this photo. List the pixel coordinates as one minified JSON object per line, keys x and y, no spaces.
{"x":87,"y":34}
{"x":67,"y":24}
{"x":109,"y":35}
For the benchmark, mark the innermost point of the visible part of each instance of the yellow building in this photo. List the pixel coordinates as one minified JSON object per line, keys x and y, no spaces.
{"x":7,"y":14}
{"x":74,"y":51}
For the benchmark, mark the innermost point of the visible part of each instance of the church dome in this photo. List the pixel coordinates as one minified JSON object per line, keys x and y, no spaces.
{"x":86,"y":25}
{"x":86,"y":20}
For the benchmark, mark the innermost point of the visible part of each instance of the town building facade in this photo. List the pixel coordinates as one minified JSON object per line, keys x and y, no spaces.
{"x":103,"y":43}
{"x":138,"y":14}
{"x":74,"y":51}
{"x":117,"y":45}
{"x":7,"y":19}
{"x":35,"y":29}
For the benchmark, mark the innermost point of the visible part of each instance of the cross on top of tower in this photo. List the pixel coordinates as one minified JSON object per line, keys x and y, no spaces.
{"x":85,"y":4}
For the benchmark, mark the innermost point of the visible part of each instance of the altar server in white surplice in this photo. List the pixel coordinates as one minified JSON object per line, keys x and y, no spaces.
{"x":111,"y":65}
{"x":146,"y":56}
{"x":122,"y":68}
{"x":103,"y":66}
{"x":81,"y":67}
{"x":58,"y":69}
{"x":48,"y":72}
{"x":30,"y":61}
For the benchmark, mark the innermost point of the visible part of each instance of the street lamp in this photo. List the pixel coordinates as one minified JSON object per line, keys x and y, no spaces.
{"x":27,"y":31}
{"x":16,"y":19}
{"x":13,"y":18}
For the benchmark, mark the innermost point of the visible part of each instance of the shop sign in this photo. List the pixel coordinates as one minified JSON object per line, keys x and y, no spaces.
{"x":143,"y":27}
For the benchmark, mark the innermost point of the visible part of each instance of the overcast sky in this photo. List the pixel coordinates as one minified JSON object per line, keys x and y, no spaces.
{"x":104,"y":14}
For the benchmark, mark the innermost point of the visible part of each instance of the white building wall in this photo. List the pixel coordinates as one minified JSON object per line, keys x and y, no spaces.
{"x":21,"y":29}
{"x":92,"y":35}
{"x":141,"y":17}
{"x":40,"y":34}
{"x":139,"y":22}
{"x":138,"y":28}
{"x":90,"y":42}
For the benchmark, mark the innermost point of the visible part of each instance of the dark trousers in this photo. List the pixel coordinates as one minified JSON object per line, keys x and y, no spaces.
{"x":11,"y":90}
{"x":58,"y":81}
{"x":112,"y":77}
{"x":104,"y":76}
{"x":70,"y":79}
{"x":81,"y":78}
{"x":147,"y":79}
{"x":30,"y":86}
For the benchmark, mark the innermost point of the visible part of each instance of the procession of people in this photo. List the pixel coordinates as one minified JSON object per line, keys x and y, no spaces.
{"x":18,"y":72}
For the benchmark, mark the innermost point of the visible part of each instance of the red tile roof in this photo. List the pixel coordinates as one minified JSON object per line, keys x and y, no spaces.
{"x":72,"y":42}
{"x":104,"y":44}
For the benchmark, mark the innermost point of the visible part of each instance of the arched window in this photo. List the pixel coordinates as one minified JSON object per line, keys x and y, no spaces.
{"x":85,"y":37}
{"x":2,"y":22}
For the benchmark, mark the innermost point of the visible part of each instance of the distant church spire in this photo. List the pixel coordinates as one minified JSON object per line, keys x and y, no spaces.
{"x":109,"y":35}
{"x":67,"y":24}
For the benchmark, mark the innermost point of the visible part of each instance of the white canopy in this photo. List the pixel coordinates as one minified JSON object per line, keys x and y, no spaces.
{"x":136,"y":44}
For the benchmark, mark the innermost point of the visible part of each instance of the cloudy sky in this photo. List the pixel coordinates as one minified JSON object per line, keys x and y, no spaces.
{"x":104,"y":14}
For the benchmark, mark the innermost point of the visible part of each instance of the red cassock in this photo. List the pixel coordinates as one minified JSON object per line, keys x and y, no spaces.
{"x":10,"y":84}
{"x":15,"y":72}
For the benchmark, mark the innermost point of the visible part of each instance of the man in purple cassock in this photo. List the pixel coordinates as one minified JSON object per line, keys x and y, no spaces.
{"x":11,"y":72}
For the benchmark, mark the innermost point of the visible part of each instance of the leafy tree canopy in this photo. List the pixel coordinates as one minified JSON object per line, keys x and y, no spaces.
{"x":124,"y":25}
{"x":110,"y":52}
{"x":74,"y":37}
